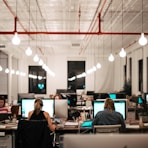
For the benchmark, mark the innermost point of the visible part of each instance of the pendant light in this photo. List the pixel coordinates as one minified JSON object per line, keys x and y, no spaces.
{"x":16,"y":40}
{"x":29,"y":51}
{"x":111,"y":57}
{"x":122,"y":53}
{"x":36,"y":57}
{"x":142,"y":39}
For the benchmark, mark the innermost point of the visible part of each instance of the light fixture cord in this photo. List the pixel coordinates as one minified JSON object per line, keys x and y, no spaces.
{"x":29,"y":23}
{"x":142,"y":16}
{"x":36,"y":27}
{"x":111,"y":27}
{"x":122,"y":23}
{"x":16,"y":8}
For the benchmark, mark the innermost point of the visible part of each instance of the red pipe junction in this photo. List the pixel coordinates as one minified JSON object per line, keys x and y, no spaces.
{"x":63,"y":33}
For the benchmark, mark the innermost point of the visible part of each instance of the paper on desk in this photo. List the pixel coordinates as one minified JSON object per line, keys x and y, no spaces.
{"x":2,"y":126}
{"x":132,"y":126}
{"x":145,"y":124}
{"x":71,"y":123}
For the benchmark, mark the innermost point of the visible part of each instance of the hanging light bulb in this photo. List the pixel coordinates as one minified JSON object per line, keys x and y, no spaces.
{"x":36,"y":58}
{"x":41,"y":62}
{"x":1,"y":68}
{"x":142,"y":40}
{"x":28,"y":51}
{"x":17,"y":72}
{"x":98,"y":65}
{"x":7,"y":70}
{"x":12,"y":71}
{"x":111,"y":58}
{"x":16,"y":40}
{"x":122,"y":53}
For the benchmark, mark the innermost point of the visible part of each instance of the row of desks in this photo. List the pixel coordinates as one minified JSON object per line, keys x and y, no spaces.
{"x":10,"y":129}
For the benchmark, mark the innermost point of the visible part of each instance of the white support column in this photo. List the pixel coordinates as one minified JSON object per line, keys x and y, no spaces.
{"x":9,"y":79}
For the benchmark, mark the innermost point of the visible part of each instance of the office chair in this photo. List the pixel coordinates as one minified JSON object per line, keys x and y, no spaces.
{"x":106,"y":128}
{"x":33,"y":134}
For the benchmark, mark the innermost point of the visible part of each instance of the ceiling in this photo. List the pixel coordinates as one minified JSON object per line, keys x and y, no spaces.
{"x":67,"y":26}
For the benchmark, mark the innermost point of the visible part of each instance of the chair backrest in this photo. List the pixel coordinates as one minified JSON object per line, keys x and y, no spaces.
{"x":106,"y":128}
{"x":33,"y":134}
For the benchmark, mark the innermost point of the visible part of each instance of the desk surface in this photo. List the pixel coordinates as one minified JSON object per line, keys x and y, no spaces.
{"x":9,"y":126}
{"x":69,"y":125}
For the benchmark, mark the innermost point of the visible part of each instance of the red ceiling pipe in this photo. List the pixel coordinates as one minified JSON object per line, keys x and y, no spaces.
{"x":16,"y":19}
{"x":15,"y":24}
{"x":73,"y":33}
{"x":67,"y":33}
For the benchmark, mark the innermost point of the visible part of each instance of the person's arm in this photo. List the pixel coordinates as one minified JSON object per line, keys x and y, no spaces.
{"x":51,"y":126}
{"x":96,"y":118}
{"x":29,"y":115}
{"x":122,"y":122}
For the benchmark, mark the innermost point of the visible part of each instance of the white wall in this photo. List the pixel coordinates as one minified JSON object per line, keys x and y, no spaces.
{"x":3,"y":76}
{"x":107,"y":79}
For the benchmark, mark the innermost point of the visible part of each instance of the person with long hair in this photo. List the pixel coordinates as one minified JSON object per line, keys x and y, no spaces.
{"x":39,"y":114}
{"x":109,"y":116}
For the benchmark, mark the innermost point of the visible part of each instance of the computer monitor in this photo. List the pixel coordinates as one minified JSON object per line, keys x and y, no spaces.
{"x":105,"y":140}
{"x":146,"y":98}
{"x":120,"y":95}
{"x":112,"y":96}
{"x":90,"y":92}
{"x":25,"y":95}
{"x":101,"y":96}
{"x":61,"y":109}
{"x":140,"y":100}
{"x":72,"y":99}
{"x":120,"y":106}
{"x":28,"y":105}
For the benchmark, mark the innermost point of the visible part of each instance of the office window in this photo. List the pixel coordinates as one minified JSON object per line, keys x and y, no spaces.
{"x":37,"y":80}
{"x":140,"y":64}
{"x":75,"y":68}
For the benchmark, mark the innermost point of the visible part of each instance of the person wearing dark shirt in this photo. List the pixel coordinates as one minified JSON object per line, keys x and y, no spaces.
{"x":38,"y":114}
{"x":109,"y":116}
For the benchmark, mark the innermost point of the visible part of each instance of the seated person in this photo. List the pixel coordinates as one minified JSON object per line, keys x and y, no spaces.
{"x":3,"y":108}
{"x":38,"y":114}
{"x":57,"y":96}
{"x":109,"y":116}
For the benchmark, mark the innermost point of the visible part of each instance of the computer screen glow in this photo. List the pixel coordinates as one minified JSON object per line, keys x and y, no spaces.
{"x":112,"y":96}
{"x":120,"y":106}
{"x":28,"y":105}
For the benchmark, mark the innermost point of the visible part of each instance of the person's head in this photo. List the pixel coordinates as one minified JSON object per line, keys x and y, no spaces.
{"x":38,"y":104}
{"x":2,"y":103}
{"x":57,"y":96}
{"x":109,"y":104}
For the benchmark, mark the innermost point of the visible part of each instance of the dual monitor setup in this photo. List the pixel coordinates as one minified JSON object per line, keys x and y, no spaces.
{"x":55,"y":108}
{"x":120,"y":106}
{"x":59,"y":108}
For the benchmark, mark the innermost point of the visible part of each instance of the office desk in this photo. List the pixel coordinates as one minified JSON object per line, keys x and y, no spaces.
{"x":136,"y":129}
{"x":7,"y":134}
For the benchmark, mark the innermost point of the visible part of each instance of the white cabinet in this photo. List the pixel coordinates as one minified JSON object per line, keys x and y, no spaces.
{"x":6,"y":141}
